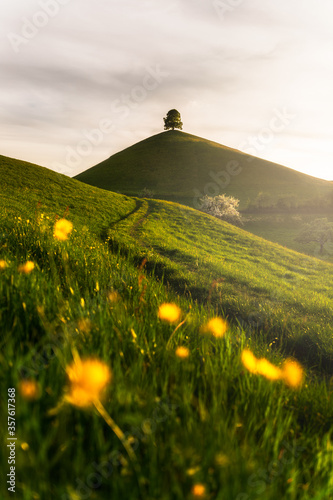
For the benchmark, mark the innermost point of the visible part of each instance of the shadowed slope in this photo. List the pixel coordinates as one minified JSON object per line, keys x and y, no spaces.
{"x":181,"y":167}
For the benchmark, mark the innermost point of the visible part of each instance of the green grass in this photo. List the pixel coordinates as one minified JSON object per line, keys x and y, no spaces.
{"x":177,"y":166}
{"x":204,"y":419}
{"x":283,"y":228}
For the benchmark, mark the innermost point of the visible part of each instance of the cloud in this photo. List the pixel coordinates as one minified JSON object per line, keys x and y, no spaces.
{"x":225,"y":74}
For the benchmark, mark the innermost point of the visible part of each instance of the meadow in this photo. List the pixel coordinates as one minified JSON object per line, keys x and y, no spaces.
{"x":118,"y":396}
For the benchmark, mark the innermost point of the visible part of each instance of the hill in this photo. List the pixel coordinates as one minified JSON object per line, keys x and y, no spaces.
{"x":172,"y":424}
{"x":181,"y":167}
{"x":253,"y":281}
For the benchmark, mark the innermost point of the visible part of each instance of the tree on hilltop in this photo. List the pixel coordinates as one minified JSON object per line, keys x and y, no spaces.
{"x":173,"y":120}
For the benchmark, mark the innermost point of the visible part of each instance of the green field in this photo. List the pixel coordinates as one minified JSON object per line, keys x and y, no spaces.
{"x":202,"y":420}
{"x":283,"y":228}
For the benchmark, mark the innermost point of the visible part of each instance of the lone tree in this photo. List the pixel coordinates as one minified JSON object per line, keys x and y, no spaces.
{"x":173,"y":120}
{"x":319,"y":231}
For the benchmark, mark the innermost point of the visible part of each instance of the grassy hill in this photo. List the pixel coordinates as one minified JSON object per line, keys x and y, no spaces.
{"x":199,"y":420}
{"x":181,"y":167}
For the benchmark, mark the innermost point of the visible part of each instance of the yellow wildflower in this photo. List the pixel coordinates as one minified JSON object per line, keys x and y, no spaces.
{"x":182,"y":352}
{"x":114,"y":296}
{"x":29,"y":389}
{"x":88,"y":378}
{"x":3,"y":264}
{"x":62,"y":229}
{"x":198,"y":490}
{"x":260,"y":366}
{"x":169,"y":312}
{"x":249,"y":361}
{"x":265,"y":368}
{"x":292,"y":373}
{"x":27,"y":267}
{"x":84,"y":325}
{"x":216,"y":326}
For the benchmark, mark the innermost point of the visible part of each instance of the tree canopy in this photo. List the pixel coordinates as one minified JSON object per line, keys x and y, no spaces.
{"x":173,"y":120}
{"x":319,"y":231}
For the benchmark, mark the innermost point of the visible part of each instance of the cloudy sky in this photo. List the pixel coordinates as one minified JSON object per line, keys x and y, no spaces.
{"x":81,"y":80}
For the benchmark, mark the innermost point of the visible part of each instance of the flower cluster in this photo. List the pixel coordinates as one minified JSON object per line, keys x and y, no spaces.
{"x":291,"y":372}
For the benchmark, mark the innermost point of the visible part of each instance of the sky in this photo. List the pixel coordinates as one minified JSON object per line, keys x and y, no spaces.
{"x":82,"y":80}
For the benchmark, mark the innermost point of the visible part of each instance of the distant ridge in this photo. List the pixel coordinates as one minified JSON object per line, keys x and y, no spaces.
{"x":182,"y":167}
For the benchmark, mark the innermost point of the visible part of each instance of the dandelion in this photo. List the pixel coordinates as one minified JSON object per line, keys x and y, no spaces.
{"x":265,"y":368}
{"x":193,"y":470}
{"x":29,"y":389}
{"x":62,"y":229}
{"x":88,"y":378}
{"x":84,"y":325}
{"x":216,"y":326}
{"x":169,"y":312}
{"x":292,"y":373}
{"x":3,"y":264}
{"x":198,"y":490}
{"x":27,"y":267}
{"x":25,"y":446}
{"x":249,"y":361}
{"x":182,"y":352}
{"x":260,"y":366}
{"x":114,"y":297}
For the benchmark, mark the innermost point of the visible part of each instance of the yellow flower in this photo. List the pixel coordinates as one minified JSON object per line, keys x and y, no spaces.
{"x":182,"y":352}
{"x":260,"y":366}
{"x":169,"y":312}
{"x":88,"y":378}
{"x":27,"y":267}
{"x":114,"y":296}
{"x":265,"y":368}
{"x":84,"y":325}
{"x":198,"y":490}
{"x":216,"y":326}
{"x":249,"y":361}
{"x":29,"y":389}
{"x":3,"y":264}
{"x":292,"y":373}
{"x":62,"y":229}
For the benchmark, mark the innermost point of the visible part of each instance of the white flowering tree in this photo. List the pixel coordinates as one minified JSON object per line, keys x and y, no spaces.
{"x":223,"y":207}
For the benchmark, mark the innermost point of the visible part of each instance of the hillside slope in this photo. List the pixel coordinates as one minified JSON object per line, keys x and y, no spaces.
{"x":181,"y":167}
{"x":113,"y":399}
{"x":256,"y":283}
{"x":30,"y":188}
